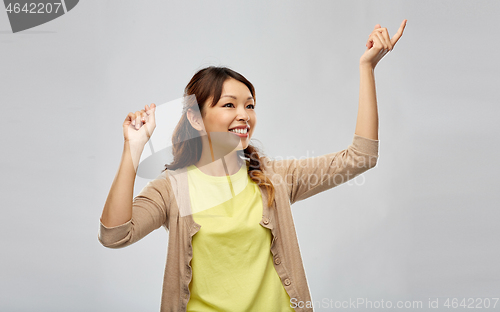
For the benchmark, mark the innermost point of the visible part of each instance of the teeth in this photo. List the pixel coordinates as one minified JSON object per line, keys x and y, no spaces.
{"x":239,"y":130}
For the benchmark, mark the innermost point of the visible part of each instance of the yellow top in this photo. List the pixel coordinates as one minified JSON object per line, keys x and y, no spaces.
{"x":232,"y":263}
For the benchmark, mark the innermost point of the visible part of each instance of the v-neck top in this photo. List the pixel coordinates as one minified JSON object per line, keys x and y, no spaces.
{"x":232,"y":263}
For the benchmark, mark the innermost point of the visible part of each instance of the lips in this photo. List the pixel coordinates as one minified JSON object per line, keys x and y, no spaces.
{"x":239,"y":130}
{"x":240,"y":127}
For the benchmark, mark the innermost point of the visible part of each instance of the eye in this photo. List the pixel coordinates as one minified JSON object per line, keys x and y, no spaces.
{"x":252,"y":106}
{"x":227,"y":104}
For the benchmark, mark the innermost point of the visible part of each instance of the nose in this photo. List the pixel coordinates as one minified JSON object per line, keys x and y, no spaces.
{"x":242,"y":114}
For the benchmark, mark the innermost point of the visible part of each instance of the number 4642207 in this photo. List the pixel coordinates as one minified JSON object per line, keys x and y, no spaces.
{"x":33,"y":8}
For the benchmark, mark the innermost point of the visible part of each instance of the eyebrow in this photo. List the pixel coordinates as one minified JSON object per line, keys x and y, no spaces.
{"x":232,"y":96}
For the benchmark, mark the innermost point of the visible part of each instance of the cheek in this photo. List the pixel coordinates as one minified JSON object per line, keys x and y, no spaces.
{"x":253,"y":120}
{"x":213,"y":122}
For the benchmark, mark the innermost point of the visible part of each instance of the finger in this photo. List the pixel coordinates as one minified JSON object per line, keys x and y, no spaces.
{"x":377,"y":46}
{"x":385,"y":45}
{"x":153,"y":114}
{"x":152,"y":108}
{"x":382,"y":44}
{"x":377,"y":26}
{"x":368,"y":43}
{"x":371,"y":39}
{"x":387,"y":39}
{"x":150,"y":111}
{"x":142,"y":115}
{"x":129,"y":118}
{"x":138,"y":122}
{"x":142,"y":121}
{"x":398,"y":35}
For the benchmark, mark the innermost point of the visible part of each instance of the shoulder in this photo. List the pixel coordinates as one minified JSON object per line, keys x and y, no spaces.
{"x":161,"y":185}
{"x":275,"y":167}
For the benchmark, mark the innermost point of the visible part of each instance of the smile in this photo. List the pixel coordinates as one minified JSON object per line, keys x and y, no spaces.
{"x":241,"y":131}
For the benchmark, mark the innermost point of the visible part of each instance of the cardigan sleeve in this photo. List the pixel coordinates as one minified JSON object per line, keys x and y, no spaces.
{"x":307,"y":177}
{"x":149,"y":212}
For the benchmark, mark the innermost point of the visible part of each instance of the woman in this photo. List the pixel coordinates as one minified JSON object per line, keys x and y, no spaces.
{"x":224,"y":205}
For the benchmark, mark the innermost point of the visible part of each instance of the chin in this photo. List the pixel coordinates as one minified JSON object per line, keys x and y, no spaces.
{"x":241,"y":146}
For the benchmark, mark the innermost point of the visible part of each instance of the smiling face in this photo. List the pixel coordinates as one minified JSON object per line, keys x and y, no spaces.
{"x":233,"y":113}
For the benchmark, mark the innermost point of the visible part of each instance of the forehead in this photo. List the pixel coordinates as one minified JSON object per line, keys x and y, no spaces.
{"x":235,"y":89}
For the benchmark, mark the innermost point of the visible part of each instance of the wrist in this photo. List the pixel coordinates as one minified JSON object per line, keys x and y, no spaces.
{"x":132,"y":152}
{"x":366,"y":66}
{"x":134,"y":146}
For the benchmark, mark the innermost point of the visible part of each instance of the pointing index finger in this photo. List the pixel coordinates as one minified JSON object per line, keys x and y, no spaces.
{"x":398,"y":35}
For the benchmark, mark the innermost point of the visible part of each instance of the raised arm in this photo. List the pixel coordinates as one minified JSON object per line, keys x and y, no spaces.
{"x":378,"y":45}
{"x":118,"y":207}
{"x":310,"y":176}
{"x":125,"y":220}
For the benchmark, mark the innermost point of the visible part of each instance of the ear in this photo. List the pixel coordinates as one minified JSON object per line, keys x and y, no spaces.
{"x":195,"y":119}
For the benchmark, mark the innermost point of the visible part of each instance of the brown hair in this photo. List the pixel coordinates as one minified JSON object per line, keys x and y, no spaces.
{"x":186,"y":143}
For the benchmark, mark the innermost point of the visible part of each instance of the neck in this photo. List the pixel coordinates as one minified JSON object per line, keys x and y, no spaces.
{"x":227,"y":165}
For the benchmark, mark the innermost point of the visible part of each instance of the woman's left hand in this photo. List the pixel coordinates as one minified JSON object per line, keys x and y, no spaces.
{"x":379,"y":44}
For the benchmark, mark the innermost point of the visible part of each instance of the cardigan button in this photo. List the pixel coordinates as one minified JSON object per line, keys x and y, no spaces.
{"x":287,"y":282}
{"x":266,"y":221}
{"x":277,"y":260}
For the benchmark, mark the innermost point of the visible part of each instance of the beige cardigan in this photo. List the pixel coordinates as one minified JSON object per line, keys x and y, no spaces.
{"x":293,"y":179}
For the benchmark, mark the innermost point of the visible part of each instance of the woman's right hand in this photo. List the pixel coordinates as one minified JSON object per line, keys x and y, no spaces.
{"x":139,"y":126}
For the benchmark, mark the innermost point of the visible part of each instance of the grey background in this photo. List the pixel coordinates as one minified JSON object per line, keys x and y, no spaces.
{"x":422,"y":224}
